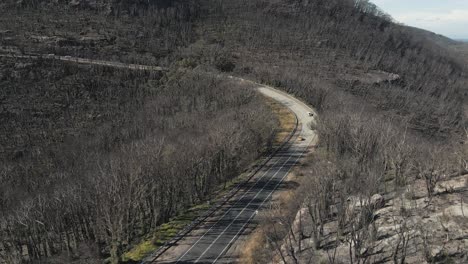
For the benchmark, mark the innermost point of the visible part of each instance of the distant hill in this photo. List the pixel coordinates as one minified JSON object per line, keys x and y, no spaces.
{"x":434,"y":37}
{"x":461,"y":47}
{"x":368,"y":77}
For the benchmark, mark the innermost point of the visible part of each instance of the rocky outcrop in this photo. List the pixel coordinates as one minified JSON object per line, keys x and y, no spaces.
{"x":373,"y":77}
{"x":103,"y":5}
{"x":377,"y":201}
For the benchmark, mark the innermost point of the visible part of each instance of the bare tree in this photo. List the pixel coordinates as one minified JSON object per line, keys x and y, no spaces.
{"x":405,"y":233}
{"x":432,"y":167}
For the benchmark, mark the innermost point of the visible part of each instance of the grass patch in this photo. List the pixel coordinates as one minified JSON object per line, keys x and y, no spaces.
{"x":167,"y":231}
{"x":164,"y":233}
{"x":141,"y":250}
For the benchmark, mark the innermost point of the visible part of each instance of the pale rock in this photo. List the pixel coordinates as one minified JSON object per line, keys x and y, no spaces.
{"x":377,"y":201}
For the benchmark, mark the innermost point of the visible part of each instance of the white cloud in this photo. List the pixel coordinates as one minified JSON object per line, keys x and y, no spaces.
{"x":458,"y":16}
{"x":447,"y":17}
{"x":452,"y":23}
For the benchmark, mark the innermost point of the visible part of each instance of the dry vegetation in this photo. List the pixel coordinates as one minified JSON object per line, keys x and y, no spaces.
{"x":286,"y":119}
{"x":89,"y":156}
{"x":369,"y":197}
{"x":146,"y":32}
{"x":462,"y":49}
{"x":379,"y":135}
{"x":94,"y":157}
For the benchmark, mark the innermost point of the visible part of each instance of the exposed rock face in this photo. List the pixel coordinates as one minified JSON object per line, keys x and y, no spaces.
{"x":20,"y":65}
{"x":84,"y":3}
{"x":101,"y":4}
{"x":382,"y":76}
{"x":373,"y":77}
{"x":76,"y":2}
{"x":377,"y":201}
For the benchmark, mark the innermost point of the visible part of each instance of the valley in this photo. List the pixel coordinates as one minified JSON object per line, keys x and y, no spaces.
{"x":125,"y":122}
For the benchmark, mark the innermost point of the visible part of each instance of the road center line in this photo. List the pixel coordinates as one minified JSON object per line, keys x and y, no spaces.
{"x":231,"y":207}
{"x":214,"y":241}
{"x":253,"y":214}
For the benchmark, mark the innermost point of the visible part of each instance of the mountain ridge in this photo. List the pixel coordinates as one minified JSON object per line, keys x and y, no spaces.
{"x":388,"y":97}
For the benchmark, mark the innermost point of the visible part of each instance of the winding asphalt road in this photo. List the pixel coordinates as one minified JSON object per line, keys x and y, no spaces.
{"x":113,"y":64}
{"x":213,"y":240}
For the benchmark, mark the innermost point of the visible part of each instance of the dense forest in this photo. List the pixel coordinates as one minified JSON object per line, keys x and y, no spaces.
{"x":90,"y":154}
{"x":380,"y":134}
{"x":75,"y":138}
{"x":321,"y":38}
{"x":126,"y":31}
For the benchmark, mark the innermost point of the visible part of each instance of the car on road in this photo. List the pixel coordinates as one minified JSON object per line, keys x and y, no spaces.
{"x":310,"y":113}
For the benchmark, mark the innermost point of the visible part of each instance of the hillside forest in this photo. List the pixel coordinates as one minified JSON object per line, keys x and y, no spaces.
{"x":94,"y":158}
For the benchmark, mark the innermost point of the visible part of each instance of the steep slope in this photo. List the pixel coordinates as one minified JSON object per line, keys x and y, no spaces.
{"x":344,"y":57}
{"x":127,"y":31}
{"x":336,"y":41}
{"x":92,"y":157}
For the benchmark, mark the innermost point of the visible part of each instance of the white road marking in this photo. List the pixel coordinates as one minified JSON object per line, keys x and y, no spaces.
{"x":300,"y":112}
{"x":237,"y":201}
{"x":250,"y":218}
{"x":214,"y":241}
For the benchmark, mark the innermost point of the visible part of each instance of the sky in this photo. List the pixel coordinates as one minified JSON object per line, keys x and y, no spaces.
{"x":446,"y":17}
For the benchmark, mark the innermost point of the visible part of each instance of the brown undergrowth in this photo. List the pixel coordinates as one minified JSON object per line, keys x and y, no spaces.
{"x":273,"y":227}
{"x":285,"y":117}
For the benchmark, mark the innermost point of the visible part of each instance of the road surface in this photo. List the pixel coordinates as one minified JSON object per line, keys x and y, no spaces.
{"x":212,"y":241}
{"x":113,"y":64}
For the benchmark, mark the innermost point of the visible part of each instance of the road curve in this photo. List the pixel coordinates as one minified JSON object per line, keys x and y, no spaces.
{"x":78,"y":60}
{"x":211,"y":241}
